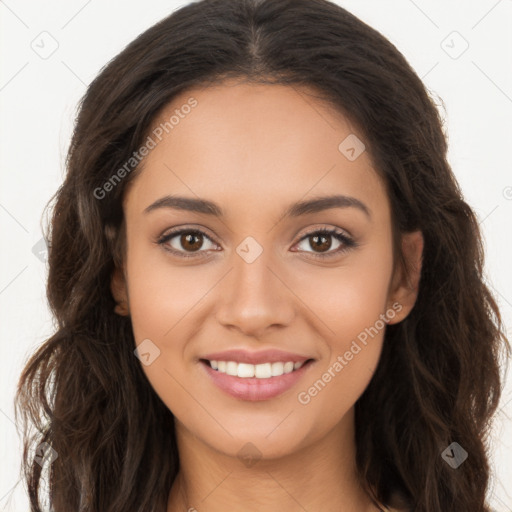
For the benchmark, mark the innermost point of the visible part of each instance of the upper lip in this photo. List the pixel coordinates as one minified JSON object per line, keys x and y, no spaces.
{"x":262,"y":356}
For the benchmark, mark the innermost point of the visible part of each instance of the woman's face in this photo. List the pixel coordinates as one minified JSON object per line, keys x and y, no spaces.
{"x":251,"y":274}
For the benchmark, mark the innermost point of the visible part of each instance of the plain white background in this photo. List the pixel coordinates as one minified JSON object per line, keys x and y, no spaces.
{"x":51,"y":51}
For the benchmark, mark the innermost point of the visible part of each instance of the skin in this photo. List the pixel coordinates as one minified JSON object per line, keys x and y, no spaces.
{"x":254,"y":150}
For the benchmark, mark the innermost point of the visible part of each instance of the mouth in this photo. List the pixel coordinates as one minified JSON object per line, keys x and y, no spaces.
{"x":255,"y":382}
{"x":265,"y":370}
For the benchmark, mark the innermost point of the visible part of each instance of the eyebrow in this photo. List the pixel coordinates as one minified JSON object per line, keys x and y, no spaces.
{"x":314,"y":205}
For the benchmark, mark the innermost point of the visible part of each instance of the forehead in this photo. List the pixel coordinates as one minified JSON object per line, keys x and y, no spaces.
{"x":252,"y":145}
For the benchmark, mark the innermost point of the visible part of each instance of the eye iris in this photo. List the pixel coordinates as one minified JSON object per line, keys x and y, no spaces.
{"x":324,"y":246}
{"x":188,"y":239}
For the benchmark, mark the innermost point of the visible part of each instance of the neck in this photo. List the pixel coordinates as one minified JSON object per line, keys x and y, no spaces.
{"x":320,"y":476}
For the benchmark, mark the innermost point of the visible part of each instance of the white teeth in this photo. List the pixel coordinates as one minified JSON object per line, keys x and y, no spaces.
{"x":288,"y":367}
{"x":245,"y":370}
{"x":277,"y":369}
{"x":232,"y":368}
{"x":260,"y":371}
{"x":263,"y":371}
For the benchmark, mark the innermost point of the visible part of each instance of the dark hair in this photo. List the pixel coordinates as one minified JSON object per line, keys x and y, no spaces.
{"x":438,"y":379}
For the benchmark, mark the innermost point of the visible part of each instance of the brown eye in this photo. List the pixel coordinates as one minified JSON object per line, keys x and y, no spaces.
{"x":191,"y":241}
{"x":321,"y":241}
{"x":185,"y":241}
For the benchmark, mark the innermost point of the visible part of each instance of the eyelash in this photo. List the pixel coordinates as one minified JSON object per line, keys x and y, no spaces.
{"x":348,"y":243}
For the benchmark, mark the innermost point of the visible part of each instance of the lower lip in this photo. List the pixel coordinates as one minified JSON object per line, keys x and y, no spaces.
{"x":254,"y":389}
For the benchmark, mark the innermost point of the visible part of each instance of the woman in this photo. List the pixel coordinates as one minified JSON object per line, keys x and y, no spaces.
{"x":267,"y":283}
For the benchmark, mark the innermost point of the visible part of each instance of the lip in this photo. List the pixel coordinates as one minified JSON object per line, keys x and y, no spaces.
{"x":253,"y":389}
{"x":263,"y":356}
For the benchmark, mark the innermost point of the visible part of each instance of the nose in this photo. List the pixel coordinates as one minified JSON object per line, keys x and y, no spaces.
{"x":255,"y":297}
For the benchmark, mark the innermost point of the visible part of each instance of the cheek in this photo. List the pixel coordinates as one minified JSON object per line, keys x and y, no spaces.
{"x":350,"y":298}
{"x":162,"y":295}
{"x":353,"y":347}
{"x":165,"y":301}
{"x":160,"y":300}
{"x":353,"y":314}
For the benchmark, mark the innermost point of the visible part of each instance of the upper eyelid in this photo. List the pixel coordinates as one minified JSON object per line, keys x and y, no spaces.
{"x":179,"y":230}
{"x":331,"y":230}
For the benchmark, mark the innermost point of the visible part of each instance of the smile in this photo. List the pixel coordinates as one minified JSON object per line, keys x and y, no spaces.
{"x":255,"y":382}
{"x":258,"y":371}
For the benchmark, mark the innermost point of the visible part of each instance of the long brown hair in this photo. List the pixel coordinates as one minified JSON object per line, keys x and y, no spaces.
{"x":83,"y":392}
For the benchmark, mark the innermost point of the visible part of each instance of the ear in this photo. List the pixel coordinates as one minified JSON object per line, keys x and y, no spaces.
{"x":404,"y":287}
{"x":120,"y":292}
